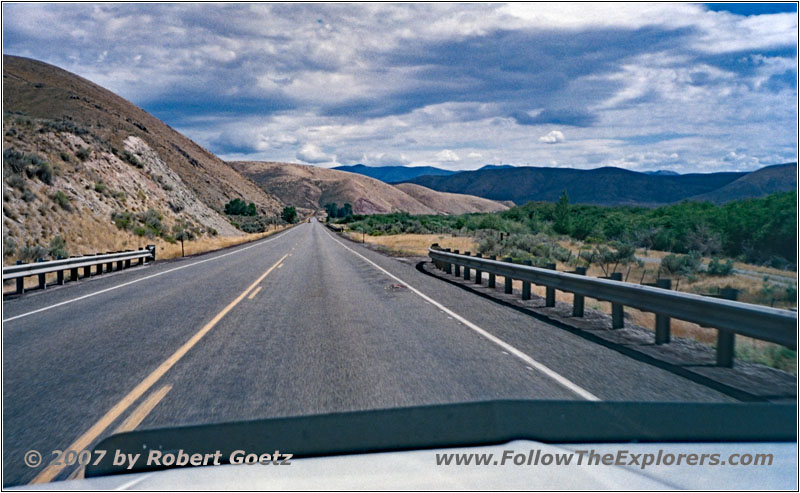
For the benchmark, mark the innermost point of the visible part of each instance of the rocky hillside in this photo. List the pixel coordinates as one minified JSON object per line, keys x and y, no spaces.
{"x":82,"y":163}
{"x":311,"y":187}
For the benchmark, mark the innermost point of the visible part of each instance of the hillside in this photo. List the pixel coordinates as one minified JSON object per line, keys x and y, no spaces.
{"x":311,"y":187}
{"x":450,"y":203}
{"x":74,"y":154}
{"x":394,"y":174}
{"x":759,"y":183}
{"x":601,"y":186}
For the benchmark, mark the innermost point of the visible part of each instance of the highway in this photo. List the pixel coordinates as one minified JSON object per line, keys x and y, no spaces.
{"x":301,"y":322}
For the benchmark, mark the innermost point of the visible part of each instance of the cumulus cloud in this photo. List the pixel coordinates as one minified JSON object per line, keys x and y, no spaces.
{"x":552,"y":137}
{"x":312,"y":154}
{"x":447,"y":156}
{"x":392,"y":84}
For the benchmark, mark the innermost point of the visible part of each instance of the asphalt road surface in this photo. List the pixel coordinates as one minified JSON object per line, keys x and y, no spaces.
{"x":301,"y":322}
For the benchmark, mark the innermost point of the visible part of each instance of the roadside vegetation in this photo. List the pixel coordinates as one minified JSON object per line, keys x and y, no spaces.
{"x":747,"y":245}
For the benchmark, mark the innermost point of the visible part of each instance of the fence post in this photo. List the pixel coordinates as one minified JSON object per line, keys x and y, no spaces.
{"x":492,"y":277}
{"x":550,"y":293}
{"x":577,"y":299}
{"x":42,"y":280}
{"x":20,"y":281}
{"x":478,"y":272}
{"x":617,"y":310}
{"x":509,"y":286}
{"x":448,"y":267}
{"x":526,"y":286}
{"x":457,"y":266}
{"x":663,"y":321}
{"x":726,"y":339}
{"x":466,"y":269}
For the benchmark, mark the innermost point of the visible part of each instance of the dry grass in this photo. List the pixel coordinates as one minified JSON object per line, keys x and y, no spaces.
{"x":416,"y":244}
{"x":164,"y":251}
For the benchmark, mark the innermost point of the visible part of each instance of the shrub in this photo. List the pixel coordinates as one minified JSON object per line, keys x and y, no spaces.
{"x":122,"y":220}
{"x":28,"y":196}
{"x":9,"y":247}
{"x":238,"y":207}
{"x":58,"y":247}
{"x":17,"y":181}
{"x":289,"y":214}
{"x":132,"y":159}
{"x":716,"y":267}
{"x":32,"y":253}
{"x":83,"y":153}
{"x":64,"y":157}
{"x":62,"y":200}
{"x":100,"y":187}
{"x":682,"y":265}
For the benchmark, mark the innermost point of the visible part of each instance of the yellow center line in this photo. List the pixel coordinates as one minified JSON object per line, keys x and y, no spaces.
{"x":132,"y":421}
{"x":83,"y":442}
{"x":145,"y":408}
{"x":254,"y":293}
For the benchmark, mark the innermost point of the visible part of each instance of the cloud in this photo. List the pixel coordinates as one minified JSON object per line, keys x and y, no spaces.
{"x":397,"y":83}
{"x":553,"y":137}
{"x":312,"y":154}
{"x":447,"y":156}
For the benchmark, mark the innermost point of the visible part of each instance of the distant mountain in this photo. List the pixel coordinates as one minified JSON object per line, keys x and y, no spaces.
{"x":394,"y":174}
{"x":311,"y":187}
{"x":602,"y":186}
{"x":771,"y":179}
{"x":496,"y":166}
{"x":664,"y":172}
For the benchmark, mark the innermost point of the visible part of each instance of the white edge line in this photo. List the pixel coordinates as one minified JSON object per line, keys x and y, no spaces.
{"x":560,"y":379}
{"x":258,"y":243}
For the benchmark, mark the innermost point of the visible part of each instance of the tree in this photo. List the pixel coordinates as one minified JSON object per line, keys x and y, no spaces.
{"x":345,"y":211}
{"x":561,"y":220}
{"x":331,"y":209}
{"x":289,"y":214}
{"x":238,"y":207}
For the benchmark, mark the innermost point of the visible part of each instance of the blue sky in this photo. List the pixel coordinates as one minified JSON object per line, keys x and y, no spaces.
{"x":686,"y":87}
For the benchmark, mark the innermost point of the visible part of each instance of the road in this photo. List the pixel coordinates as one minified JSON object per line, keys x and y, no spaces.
{"x":298,"y":323}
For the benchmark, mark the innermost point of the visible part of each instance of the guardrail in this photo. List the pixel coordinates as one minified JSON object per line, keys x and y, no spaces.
{"x":727,"y":316}
{"x":103,"y":262}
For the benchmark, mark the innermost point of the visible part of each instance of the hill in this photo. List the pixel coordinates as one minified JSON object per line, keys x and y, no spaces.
{"x":759,"y":183}
{"x":311,"y":187}
{"x":75,"y":155}
{"x":394,"y":174}
{"x":601,"y":186}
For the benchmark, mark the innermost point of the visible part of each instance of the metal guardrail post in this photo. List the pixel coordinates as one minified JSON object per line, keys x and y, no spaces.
{"x":20,"y":281}
{"x":448,"y":267}
{"x":99,"y":269}
{"x":73,"y":274}
{"x":509,"y":288}
{"x":663,"y":321}
{"x":526,"y":286}
{"x":457,"y":272}
{"x":492,"y":277}
{"x":726,"y":339}
{"x":478,"y":273}
{"x":578,"y":299}
{"x":42,"y":280}
{"x":466,"y":269}
{"x":128,"y":264}
{"x":550,"y":293}
{"x":617,"y":310}
{"x":152,"y":249}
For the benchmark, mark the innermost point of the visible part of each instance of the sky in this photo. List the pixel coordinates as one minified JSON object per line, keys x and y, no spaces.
{"x":683,"y":87}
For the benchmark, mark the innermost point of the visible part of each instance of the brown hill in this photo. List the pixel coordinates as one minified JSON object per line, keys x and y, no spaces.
{"x":450,"y":203}
{"x":311,"y":187}
{"x":74,"y":154}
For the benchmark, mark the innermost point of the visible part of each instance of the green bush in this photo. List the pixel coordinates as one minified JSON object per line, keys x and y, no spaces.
{"x":238,"y":207}
{"x":716,"y":267}
{"x":83,"y":153}
{"x":122,"y":220}
{"x":132,"y":159}
{"x":62,"y":200}
{"x":33,"y":253}
{"x":682,"y":265}
{"x":289,"y":214}
{"x":58,"y":247}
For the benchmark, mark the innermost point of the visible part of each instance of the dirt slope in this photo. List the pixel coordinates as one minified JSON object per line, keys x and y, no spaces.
{"x":105,"y":156}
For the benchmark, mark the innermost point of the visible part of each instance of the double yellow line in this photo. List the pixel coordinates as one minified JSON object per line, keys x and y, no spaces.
{"x":83,"y":442}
